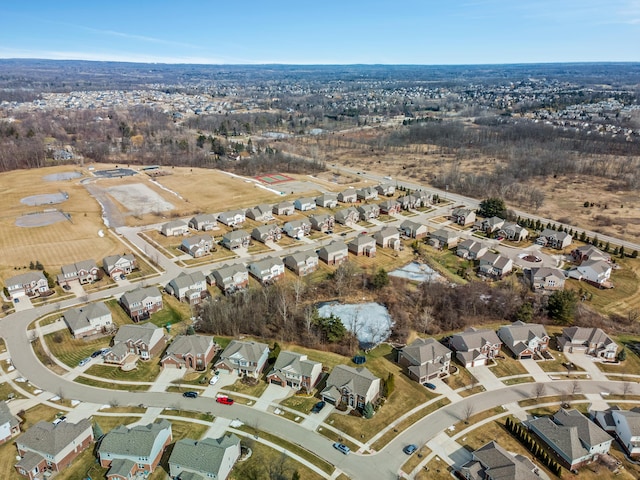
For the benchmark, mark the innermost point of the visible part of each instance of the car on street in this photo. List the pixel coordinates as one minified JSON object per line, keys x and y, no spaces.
{"x":214,"y":380}
{"x":409,"y":449}
{"x":16,"y":300}
{"x":190,"y":394}
{"x":364,"y":232}
{"x":429,"y":385}
{"x":224,"y":400}
{"x":499,"y":238}
{"x":343,"y":234}
{"x":342,"y":447}
{"x":84,"y":361}
{"x":317,"y":407}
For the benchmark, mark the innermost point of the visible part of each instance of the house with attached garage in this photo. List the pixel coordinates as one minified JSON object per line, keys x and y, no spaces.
{"x":368,"y":211}
{"x":363,"y":245}
{"x":327,"y":200}
{"x":408,"y":202}
{"x":197,"y":246}
{"x":513,"y":232}
{"x":206,"y":458}
{"x":334,"y":254}
{"x":260,"y":213}
{"x":495,"y":265}
{"x":141,"y":303}
{"x":624,"y":425}
{"x":230,"y":278}
{"x":134,"y":452}
{"x":388,"y":237}
{"x":284,"y":208}
{"x":554,"y":239}
{"x":493,"y":224}
{"x":443,"y":238}
{"x":32,"y":284}
{"x":463,"y":216}
{"x":353,"y":387}
{"x":190,"y":287}
{"x":305,"y":204}
{"x":322,"y":222}
{"x":412,"y":229}
{"x":524,"y":340}
{"x":232,"y":217}
{"x":267,"y":233}
{"x":86,"y":271}
{"x":244,"y":358}
{"x":492,"y":462}
{"x":117,"y":265}
{"x":204,"y":222}
{"x":297,"y":228}
{"x":295,"y":370}
{"x":589,"y":252}
{"x":174,"y":228}
{"x":348,"y":195}
{"x":366,"y":194}
{"x":471,"y":249}
{"x":547,"y":278}
{"x":386,"y":189}
{"x":236,"y":239}
{"x":9,"y":424}
{"x":591,"y":341}
{"x":193,"y":352}
{"x":425,"y":359}
{"x":47,"y":448}
{"x":596,"y":272}
{"x":92,"y":319}
{"x":144,"y":341}
{"x":302,"y":263}
{"x":475,"y":347}
{"x":390,"y":207}
{"x":268,"y":270}
{"x":347,"y":216}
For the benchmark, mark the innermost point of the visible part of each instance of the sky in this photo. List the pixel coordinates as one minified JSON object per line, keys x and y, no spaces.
{"x":428,"y":32}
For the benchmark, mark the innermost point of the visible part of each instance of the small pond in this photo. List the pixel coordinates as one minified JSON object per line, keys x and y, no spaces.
{"x":370,"y":322}
{"x":418,"y":272}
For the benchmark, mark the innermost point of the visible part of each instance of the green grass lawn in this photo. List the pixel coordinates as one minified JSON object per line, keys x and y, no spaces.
{"x":70,"y":350}
{"x":144,"y":372}
{"x":507,"y":367}
{"x":173,"y":313}
{"x":179,"y":430}
{"x":631,"y":365}
{"x":118,"y":315}
{"x":556,"y":365}
{"x":46,"y":359}
{"x":109,"y":386}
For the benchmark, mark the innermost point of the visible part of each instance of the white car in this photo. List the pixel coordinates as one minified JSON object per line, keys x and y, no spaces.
{"x":214,"y":380}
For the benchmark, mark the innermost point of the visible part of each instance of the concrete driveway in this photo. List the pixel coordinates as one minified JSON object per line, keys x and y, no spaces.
{"x":486,"y":378}
{"x":589,"y":364}
{"x":273,"y":394}
{"x":23,"y":303}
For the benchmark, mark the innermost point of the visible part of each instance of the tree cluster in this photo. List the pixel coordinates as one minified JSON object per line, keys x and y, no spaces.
{"x":532,"y":445}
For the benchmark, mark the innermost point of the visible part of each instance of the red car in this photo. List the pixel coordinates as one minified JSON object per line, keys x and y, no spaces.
{"x":225,"y":400}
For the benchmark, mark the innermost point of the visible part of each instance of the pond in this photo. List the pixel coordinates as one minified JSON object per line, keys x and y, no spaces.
{"x":370,"y":322}
{"x":418,"y":272}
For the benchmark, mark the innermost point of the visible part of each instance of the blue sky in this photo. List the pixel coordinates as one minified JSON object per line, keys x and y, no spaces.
{"x":323,"y":32}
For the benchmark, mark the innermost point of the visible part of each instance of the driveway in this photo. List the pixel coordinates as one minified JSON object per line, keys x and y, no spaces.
{"x":166,"y":378}
{"x":449,"y":450}
{"x":589,"y":364}
{"x":273,"y":394}
{"x":535,"y":371}
{"x":486,"y":378}
{"x":23,"y":303}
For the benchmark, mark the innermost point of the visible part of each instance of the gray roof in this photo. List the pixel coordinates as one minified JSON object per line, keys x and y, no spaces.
{"x":6,"y":416}
{"x":501,"y":465}
{"x":78,"y":318}
{"x":592,"y":252}
{"x":586,"y":335}
{"x":424,"y":350}
{"x":564,"y":440}
{"x":76,"y":267}
{"x":362,"y":241}
{"x":250,"y":351}
{"x":24,"y":278}
{"x":299,"y":257}
{"x":204,"y":455}
{"x":588,"y":432}
{"x":334,"y":247}
{"x":50,"y":439}
{"x":519,"y":332}
{"x":283,"y":205}
{"x":188,"y":242}
{"x":236,"y":235}
{"x":204,"y":218}
{"x":230,"y":270}
{"x":139,"y":294}
{"x":296,"y":363}
{"x":194,"y":344}
{"x":267,"y":263}
{"x":121,"y":467}
{"x":186,"y":280}
{"x":357,"y":380}
{"x":446,"y":234}
{"x":135,"y":441}
{"x":29,"y":461}
{"x":545,"y":272}
{"x":139,"y":332}
{"x":633,"y":420}
{"x":110,"y":261}
{"x":472,"y":339}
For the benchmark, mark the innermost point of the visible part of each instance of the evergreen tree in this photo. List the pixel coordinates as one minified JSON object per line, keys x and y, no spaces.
{"x":368,"y":411}
{"x":97,"y":431}
{"x":622,"y":251}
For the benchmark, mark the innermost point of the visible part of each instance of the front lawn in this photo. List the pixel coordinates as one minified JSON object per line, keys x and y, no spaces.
{"x":144,"y":372}
{"x":508,"y":367}
{"x":71,"y":350}
{"x":300,"y":403}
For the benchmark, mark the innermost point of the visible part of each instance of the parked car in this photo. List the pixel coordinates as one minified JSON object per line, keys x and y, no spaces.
{"x":190,"y":394}
{"x":59,"y":420}
{"x":224,"y":400}
{"x":96,"y":354}
{"x":409,"y":449}
{"x":214,"y":380}
{"x":317,"y":407}
{"x":342,"y":447}
{"x":429,"y":385}
{"x":84,"y":361}
{"x":66,"y":287}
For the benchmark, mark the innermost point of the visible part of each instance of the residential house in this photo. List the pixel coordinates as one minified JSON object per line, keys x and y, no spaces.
{"x":204,"y":222}
{"x":409,"y":202}
{"x":424,"y":199}
{"x":388,"y":237}
{"x":297,"y":228}
{"x":471,"y":249}
{"x":32,"y":284}
{"x":591,"y":341}
{"x":86,"y":271}
{"x":295,"y":370}
{"x":327,"y":200}
{"x":206,"y":458}
{"x":230,"y":278}
{"x":232,"y":218}
{"x":493,"y":224}
{"x":513,"y":232}
{"x":492,"y":462}
{"x":244,"y":358}
{"x":9,"y":424}
{"x":366,"y":194}
{"x":304,"y":204}
{"x":260,"y":213}
{"x":554,"y":239}
{"x":475,"y":347}
{"x":89,"y":320}
{"x":463,"y":216}
{"x":443,"y":238}
{"x":525,"y":340}
{"x":425,"y":359}
{"x":334,"y":254}
{"x":136,"y":451}
{"x":117,"y":265}
{"x":267,"y":233}
{"x":322,"y":222}
{"x":547,"y":278}
{"x":144,"y":340}
{"x":386,"y":189}
{"x":589,"y":252}
{"x":191,"y":287}
{"x":390,"y":207}
{"x":302,"y":263}
{"x":368,"y":211}
{"x":236,"y":239}
{"x":141,"y":303}
{"x":193,"y":352}
{"x":46,"y":448}
{"x":412,"y":229}
{"x":353,"y":387}
{"x":197,"y":246}
{"x":363,"y":245}
{"x":268,"y":270}
{"x":574,"y":438}
{"x":347,"y":216}
{"x":624,"y":425}
{"x":348,"y":195}
{"x":495,"y":265}
{"x":284,"y":208}
{"x":596,"y":272}
{"x":174,"y":228}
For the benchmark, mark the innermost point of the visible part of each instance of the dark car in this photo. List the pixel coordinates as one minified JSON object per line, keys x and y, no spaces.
{"x":190,"y":394}
{"x":317,"y":407}
{"x":342,"y":447}
{"x":224,"y":400}
{"x":409,"y":449}
{"x":96,"y":354}
{"x":429,"y":385}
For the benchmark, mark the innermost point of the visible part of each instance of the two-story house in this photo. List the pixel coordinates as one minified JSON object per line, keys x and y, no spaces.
{"x":203,"y":222}
{"x":297,"y":228}
{"x":143,"y":341}
{"x":190,"y":287}
{"x":198,"y":245}
{"x":366,"y":194}
{"x":327,"y":200}
{"x":492,"y":462}
{"x":546,"y":278}
{"x":232,"y":218}
{"x":386,"y":189}
{"x":388,"y":237}
{"x":495,"y":265}
{"x":141,"y":303}
{"x":230,"y":278}
{"x":117,"y":265}
{"x":353,"y":387}
{"x":348,"y":195}
{"x":412,"y":229}
{"x":368,"y":211}
{"x":267,"y":270}
{"x":174,"y":228}
{"x":390,"y":207}
{"x":92,"y":319}
{"x":295,"y":370}
{"x":596,"y":272}
{"x":554,"y":239}
{"x":244,"y":358}
{"x":193,"y":352}
{"x":9,"y":424}
{"x":524,"y":340}
{"x":334,"y":254}
{"x":363,"y":245}
{"x":444,"y":238}
{"x":475,"y":347}
{"x":267,"y":233}
{"x":302,"y":263}
{"x":236,"y":239}
{"x":463,"y":216}
{"x":425,"y":359}
{"x":491,"y":225}
{"x":591,"y":341}
{"x":305,"y":204}
{"x":85,"y":271}
{"x":323,"y":222}
{"x":206,"y":458}
{"x":471,"y":249}
{"x":513,"y":232}
{"x":32,"y":284}
{"x":347,"y":216}
{"x":283,"y":208}
{"x":260,"y":213}
{"x":624,"y":425}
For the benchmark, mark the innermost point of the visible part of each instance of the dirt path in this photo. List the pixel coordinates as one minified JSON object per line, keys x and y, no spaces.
{"x":110,"y":213}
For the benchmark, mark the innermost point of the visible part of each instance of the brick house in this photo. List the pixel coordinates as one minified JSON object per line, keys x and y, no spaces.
{"x":141,"y":303}
{"x":85,"y":271}
{"x":425,"y":359}
{"x":353,"y":387}
{"x":475,"y":347}
{"x":193,"y":352}
{"x":144,"y":341}
{"x":244,"y":358}
{"x":524,"y":340}
{"x":295,"y":370}
{"x":334,"y":254}
{"x":116,"y":265}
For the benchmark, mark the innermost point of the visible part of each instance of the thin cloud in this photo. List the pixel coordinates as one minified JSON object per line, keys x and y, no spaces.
{"x":142,"y":38}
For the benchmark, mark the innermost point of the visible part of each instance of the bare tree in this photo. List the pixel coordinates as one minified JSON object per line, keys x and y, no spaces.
{"x":575,"y":387}
{"x":539,"y":390}
{"x":299,"y":288}
{"x":627,"y":387}
{"x":467,"y":412}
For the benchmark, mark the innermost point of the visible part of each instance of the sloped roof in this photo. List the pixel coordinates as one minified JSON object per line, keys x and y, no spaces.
{"x":588,"y":431}
{"x":563,"y":439}
{"x":139,"y":294}
{"x":501,"y":465}
{"x":186,"y":280}
{"x":295,"y":363}
{"x":521,"y":332}
{"x":139,"y":332}
{"x":6,"y":416}
{"x":50,"y":439}
{"x":586,"y":335}
{"x":473,"y":338}
{"x":357,"y":380}
{"x":24,"y":278}
{"x":250,"y":351}
{"x":78,"y":318}
{"x":136,"y":441}
{"x":194,"y":344}
{"x":334,"y":247}
{"x":424,"y":350}
{"x":204,"y":455}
